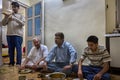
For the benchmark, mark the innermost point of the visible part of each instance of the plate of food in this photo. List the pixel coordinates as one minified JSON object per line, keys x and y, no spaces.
{"x":25,"y":71}
{"x":3,"y":71}
{"x":56,"y":76}
{"x":22,"y":77}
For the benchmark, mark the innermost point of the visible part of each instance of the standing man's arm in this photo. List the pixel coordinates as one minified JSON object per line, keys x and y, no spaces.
{"x":5,"y":20}
{"x":21,"y":21}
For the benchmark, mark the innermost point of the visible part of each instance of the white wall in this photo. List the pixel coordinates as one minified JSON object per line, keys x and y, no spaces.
{"x":77,"y":19}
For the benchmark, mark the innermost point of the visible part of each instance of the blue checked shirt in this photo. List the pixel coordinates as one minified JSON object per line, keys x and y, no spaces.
{"x":66,"y":53}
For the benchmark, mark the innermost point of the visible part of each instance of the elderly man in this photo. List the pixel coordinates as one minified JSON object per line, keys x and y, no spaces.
{"x":63,"y":54}
{"x":36,"y":56}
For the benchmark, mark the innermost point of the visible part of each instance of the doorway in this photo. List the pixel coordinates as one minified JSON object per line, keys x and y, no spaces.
{"x":34,"y":26}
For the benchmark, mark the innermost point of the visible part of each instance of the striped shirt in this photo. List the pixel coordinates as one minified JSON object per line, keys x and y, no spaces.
{"x":96,"y":58}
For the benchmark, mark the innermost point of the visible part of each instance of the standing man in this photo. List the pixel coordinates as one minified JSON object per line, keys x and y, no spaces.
{"x":99,"y":61}
{"x":15,"y":23}
{"x":63,"y":54}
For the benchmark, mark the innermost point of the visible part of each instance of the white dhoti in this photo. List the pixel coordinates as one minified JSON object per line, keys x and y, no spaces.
{"x":30,"y":62}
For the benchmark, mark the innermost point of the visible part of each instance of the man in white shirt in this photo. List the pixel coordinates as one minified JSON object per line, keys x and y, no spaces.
{"x":36,"y":56}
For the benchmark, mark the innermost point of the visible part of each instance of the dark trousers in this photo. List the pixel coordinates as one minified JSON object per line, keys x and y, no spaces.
{"x":15,"y":42}
{"x":90,"y":71}
{"x":58,"y":67}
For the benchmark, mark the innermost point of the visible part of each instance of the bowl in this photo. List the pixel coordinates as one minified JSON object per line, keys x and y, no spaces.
{"x":56,"y":76}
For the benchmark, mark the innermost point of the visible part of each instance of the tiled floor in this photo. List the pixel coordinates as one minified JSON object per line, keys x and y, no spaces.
{"x":115,"y":77}
{"x":11,"y":73}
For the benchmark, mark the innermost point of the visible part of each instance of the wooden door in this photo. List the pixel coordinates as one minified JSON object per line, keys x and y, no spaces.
{"x":35,"y":24}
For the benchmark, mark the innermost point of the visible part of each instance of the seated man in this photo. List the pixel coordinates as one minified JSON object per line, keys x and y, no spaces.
{"x":99,"y":61}
{"x":63,"y":54}
{"x":36,"y":56}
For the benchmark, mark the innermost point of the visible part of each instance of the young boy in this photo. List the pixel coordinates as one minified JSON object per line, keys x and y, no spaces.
{"x":99,"y":61}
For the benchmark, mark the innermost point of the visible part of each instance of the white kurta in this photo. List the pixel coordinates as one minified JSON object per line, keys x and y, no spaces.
{"x":35,"y":54}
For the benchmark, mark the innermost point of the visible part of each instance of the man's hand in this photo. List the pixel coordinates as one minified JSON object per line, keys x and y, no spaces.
{"x":6,"y":15}
{"x":45,"y":66}
{"x":36,"y":63}
{"x":34,"y":67}
{"x":22,"y":67}
{"x":80,"y":74}
{"x":10,"y":18}
{"x":97,"y":76}
{"x":67,"y":67}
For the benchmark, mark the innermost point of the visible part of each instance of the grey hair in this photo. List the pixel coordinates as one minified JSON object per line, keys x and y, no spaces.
{"x":37,"y":38}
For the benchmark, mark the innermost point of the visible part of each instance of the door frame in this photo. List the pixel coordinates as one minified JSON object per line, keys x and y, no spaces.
{"x":42,"y":25}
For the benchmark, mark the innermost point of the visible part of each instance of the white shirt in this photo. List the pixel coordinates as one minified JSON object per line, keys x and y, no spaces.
{"x":35,"y":54}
